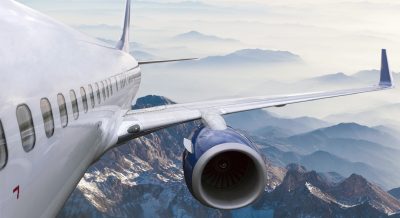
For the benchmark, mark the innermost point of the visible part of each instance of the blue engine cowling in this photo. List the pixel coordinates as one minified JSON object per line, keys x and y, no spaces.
{"x":225,"y":169}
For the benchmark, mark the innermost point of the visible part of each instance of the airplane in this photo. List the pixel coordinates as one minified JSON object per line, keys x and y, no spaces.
{"x":66,"y":100}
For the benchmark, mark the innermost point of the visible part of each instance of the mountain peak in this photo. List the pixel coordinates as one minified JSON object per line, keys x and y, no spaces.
{"x":395,"y":193}
{"x":351,"y":124}
{"x":296,"y":167}
{"x":272,"y":55}
{"x":356,"y":189}
{"x":356,"y":180}
{"x":297,"y":176}
{"x":361,"y":132}
{"x":200,"y":37}
{"x":192,"y":33}
{"x":310,"y":188}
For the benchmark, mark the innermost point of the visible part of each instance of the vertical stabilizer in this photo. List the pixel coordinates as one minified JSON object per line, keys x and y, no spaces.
{"x":386,"y":77}
{"x":123,"y":43}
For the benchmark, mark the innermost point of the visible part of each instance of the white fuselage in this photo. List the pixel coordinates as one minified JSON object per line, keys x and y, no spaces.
{"x":41,"y":58}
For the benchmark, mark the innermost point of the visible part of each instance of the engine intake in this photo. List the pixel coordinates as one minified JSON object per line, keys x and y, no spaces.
{"x":225,"y":171}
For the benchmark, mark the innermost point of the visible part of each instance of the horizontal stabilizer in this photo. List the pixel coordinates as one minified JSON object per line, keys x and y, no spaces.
{"x":386,"y":79}
{"x":166,"y":61}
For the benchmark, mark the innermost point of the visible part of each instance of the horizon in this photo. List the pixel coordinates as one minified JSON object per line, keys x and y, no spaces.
{"x":329,"y":36}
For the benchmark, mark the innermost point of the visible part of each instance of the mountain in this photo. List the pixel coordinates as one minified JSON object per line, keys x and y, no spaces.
{"x":273,"y":132}
{"x":143,"y":178}
{"x":308,"y":194}
{"x":355,"y":148}
{"x":371,"y":76}
{"x":387,"y":129}
{"x":244,"y":57}
{"x":335,"y":138}
{"x":356,"y":189}
{"x":253,"y":56}
{"x":261,"y":121}
{"x":360,"y":132}
{"x":203,"y":44}
{"x":194,"y":36}
{"x":385,"y":114}
{"x":322,"y":161}
{"x":395,"y":192}
{"x":336,"y":78}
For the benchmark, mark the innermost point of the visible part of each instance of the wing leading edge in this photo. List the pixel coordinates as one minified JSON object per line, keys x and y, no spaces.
{"x":141,"y":122}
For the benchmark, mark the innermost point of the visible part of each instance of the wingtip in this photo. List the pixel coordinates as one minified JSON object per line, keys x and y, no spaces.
{"x":386,"y":78}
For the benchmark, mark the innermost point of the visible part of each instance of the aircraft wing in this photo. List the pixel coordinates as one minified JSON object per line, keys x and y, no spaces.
{"x":141,"y":122}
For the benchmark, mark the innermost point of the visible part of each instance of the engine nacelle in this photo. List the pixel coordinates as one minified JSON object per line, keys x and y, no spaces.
{"x":225,"y":169}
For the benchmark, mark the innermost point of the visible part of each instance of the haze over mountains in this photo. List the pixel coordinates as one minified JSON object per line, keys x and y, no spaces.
{"x":197,"y":37}
{"x":347,"y":41}
{"x":245,"y":70}
{"x":232,"y":74}
{"x":341,"y":36}
{"x":345,"y":148}
{"x":355,"y":164}
{"x":144,"y":178}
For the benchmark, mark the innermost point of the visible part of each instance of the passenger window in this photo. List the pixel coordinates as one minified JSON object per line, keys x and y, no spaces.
{"x":103,"y":90}
{"x":47,"y":115}
{"x":107,"y":89}
{"x":98,"y":93}
{"x":111,"y":90}
{"x":91,"y":95}
{"x":74,"y":102}
{"x":63,"y":110}
{"x":26,"y":128}
{"x":3,"y":148}
{"x":116,"y":82}
{"x":84,"y":100}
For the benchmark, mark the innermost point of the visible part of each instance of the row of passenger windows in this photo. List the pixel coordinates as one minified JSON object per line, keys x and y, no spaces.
{"x":24,"y":116}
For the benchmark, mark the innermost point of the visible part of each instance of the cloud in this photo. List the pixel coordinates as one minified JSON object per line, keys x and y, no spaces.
{"x":330,"y":36}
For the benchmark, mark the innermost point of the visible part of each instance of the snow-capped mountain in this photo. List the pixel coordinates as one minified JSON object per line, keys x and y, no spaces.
{"x":143,"y":178}
{"x":308,"y":194}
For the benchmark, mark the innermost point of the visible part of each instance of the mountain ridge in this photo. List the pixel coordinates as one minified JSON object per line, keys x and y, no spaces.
{"x":144,"y":178}
{"x":198,"y":36}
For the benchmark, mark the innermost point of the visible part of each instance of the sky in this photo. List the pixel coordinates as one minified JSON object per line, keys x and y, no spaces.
{"x":329,"y":35}
{"x":333,"y":35}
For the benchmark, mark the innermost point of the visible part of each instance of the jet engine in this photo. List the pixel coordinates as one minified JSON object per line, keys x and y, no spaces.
{"x":223,"y":169}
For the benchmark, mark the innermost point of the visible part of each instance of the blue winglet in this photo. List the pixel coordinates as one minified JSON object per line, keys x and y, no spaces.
{"x":386,"y":77}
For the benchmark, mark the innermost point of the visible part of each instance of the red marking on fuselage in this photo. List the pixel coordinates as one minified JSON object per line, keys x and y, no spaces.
{"x":16,"y":189}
